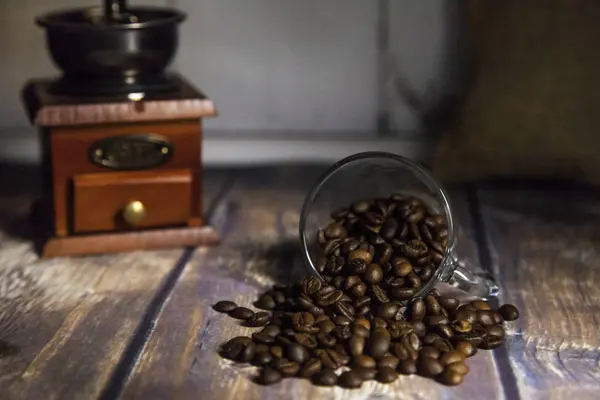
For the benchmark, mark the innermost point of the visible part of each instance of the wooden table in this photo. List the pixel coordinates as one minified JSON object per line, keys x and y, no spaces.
{"x":140,"y":326}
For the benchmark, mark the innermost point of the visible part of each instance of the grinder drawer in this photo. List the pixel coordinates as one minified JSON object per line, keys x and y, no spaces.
{"x":130,"y":200}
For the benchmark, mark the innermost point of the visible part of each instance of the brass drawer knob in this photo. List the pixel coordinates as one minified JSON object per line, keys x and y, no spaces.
{"x":134,"y":212}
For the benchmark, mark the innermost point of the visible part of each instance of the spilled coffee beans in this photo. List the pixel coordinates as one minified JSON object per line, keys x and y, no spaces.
{"x":360,"y":321}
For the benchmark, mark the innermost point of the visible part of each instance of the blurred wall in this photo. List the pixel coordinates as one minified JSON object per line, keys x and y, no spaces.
{"x":282,"y":72}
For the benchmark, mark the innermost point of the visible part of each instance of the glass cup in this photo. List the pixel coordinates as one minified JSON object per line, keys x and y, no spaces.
{"x":378,"y":174}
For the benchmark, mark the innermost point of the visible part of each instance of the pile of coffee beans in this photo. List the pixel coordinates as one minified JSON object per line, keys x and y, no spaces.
{"x":392,"y":245}
{"x":361,"y":319}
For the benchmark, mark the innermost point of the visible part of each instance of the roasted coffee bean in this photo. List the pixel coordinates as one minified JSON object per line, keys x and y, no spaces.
{"x":321,"y":238}
{"x":481,"y":305}
{"x":415,"y":249}
{"x":401,"y":352}
{"x":372,"y":218}
{"x":366,"y":374}
{"x":321,"y":318}
{"x":360,"y":330}
{"x":437,"y":320}
{"x":492,"y":342}
{"x":327,"y":377}
{"x":452,"y":357}
{"x":364,"y":322}
{"x":442,"y":345}
{"x":402,"y":327}
{"x":378,"y":343}
{"x":329,"y":298}
{"x":413,"y":280}
{"x":339,"y":213}
{"x":429,"y":367}
{"x":335,"y":231}
{"x":458,"y":367}
{"x":326,"y":340}
{"x":344,"y":309}
{"x":386,"y":375}
{"x":449,"y":303}
{"x":261,"y":347}
{"x":389,"y":228}
{"x":362,"y":301}
{"x":379,"y":323}
{"x":433,"y":306}
{"x":326,"y":326}
{"x":373,"y":274}
{"x":262,"y":358}
{"x":451,"y":378}
{"x":438,"y":246}
{"x":261,"y":337}
{"x":375,"y":239}
{"x":360,"y":207}
{"x":311,"y":285}
{"x":297,"y":353}
{"x":428,"y":351}
{"x":350,"y":380}
{"x":495,"y":330}
{"x":310,"y":368}
{"x":411,"y":341}
{"x":334,"y":265}
{"x":466,"y":315}
{"x":407,"y":367}
{"x":276,"y":351}
{"x":497,"y":318}
{"x":278,"y":297}
{"x":239,"y":348}
{"x":269,"y":376}
{"x":509,"y":312}
{"x":306,"y":340}
{"x":387,"y":310}
{"x":391,"y":282}
{"x":338,"y":282}
{"x":360,"y":254}
{"x":342,"y":320}
{"x":419,"y":328}
{"x":303,"y":303}
{"x":444,"y":331}
{"x":349,"y":246}
{"x":426,"y":273}
{"x":351,"y":281}
{"x":302,"y":320}
{"x":356,"y":345}
{"x":358,"y":290}
{"x":342,"y":332}
{"x":363,"y":361}
{"x":388,"y":361}
{"x":265,"y":302}
{"x":357,"y":267}
{"x":272,"y":330}
{"x":403,"y":293}
{"x":321,"y":263}
{"x":401,"y":269}
{"x":383,"y":254}
{"x":461,"y":326}
{"x":485,"y":317}
{"x":241,"y":313}
{"x":466,"y":347}
{"x":286,"y":367}
{"x":417,"y":310}
{"x":379,"y":294}
{"x":225,"y":306}
{"x":258,"y":319}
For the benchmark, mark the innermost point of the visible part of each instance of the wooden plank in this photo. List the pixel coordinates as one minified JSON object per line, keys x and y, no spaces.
{"x":545,"y":248}
{"x":65,"y":322}
{"x":260,"y":246}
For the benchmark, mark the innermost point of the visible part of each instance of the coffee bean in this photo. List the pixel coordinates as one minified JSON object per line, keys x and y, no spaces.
{"x":433,"y":306}
{"x":464,"y":314}
{"x":388,"y":361}
{"x":362,"y":301}
{"x":239,"y":348}
{"x":310,"y":368}
{"x":449,"y":303}
{"x":430,"y":352}
{"x":329,"y":298}
{"x":466,"y":348}
{"x":261,"y":347}
{"x":297,"y":353}
{"x":358,"y":290}
{"x":451,"y":357}
{"x":389,"y":228}
{"x":349,"y":246}
{"x":451,"y":378}
{"x":387,"y":310}
{"x":258,"y":319}
{"x":437,"y":320}
{"x":426,"y":273}
{"x":311,"y":285}
{"x":350,"y":380}
{"x":485,"y":317}
{"x":337,"y":281}
{"x":373,"y":274}
{"x":379,"y":323}
{"x":278,"y":297}
{"x":495,"y":330}
{"x":342,"y":332}
{"x":326,"y":340}
{"x":509,"y":312}
{"x":326,"y":377}
{"x":401,"y":269}
{"x":335,"y":230}
{"x":417,"y":310}
{"x":361,"y":254}
{"x":326,"y":326}
{"x":403,"y":293}
{"x":277,"y":351}
{"x":386,"y":375}
{"x":265,"y":302}
{"x":481,"y":305}
{"x":356,"y":345}
{"x":442,"y":345}
{"x":429,"y":367}
{"x":378,"y":343}
{"x":419,"y":328}
{"x":261,"y":337}
{"x":344,"y":309}
{"x":360,"y":330}
{"x":241,"y":313}
{"x":366,"y":374}
{"x":411,"y":341}
{"x":225,"y":306}
{"x":270,"y":376}
{"x":341,"y":320}
{"x":363,"y":361}
{"x":306,"y":340}
{"x":491,"y":343}
{"x":444,"y":331}
{"x":262,"y":358}
{"x":379,"y":294}
{"x":286,"y":367}
{"x":458,"y":367}
{"x":407,"y":367}
{"x":400,"y":351}
{"x":497,"y":318}
{"x":329,"y":358}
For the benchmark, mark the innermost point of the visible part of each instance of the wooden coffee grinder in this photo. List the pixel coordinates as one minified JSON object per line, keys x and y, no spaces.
{"x":121,"y":138}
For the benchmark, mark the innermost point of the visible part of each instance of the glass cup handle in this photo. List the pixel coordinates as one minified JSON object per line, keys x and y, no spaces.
{"x":481,"y":284}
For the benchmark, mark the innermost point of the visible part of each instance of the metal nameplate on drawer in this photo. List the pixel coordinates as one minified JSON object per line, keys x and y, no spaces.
{"x":129,"y":152}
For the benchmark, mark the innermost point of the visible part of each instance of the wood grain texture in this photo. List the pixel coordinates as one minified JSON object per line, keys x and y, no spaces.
{"x":65,"y":322}
{"x":258,"y":221}
{"x":545,"y":249}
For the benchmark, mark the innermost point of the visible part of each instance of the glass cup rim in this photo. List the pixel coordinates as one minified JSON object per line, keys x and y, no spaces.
{"x":423,"y":175}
